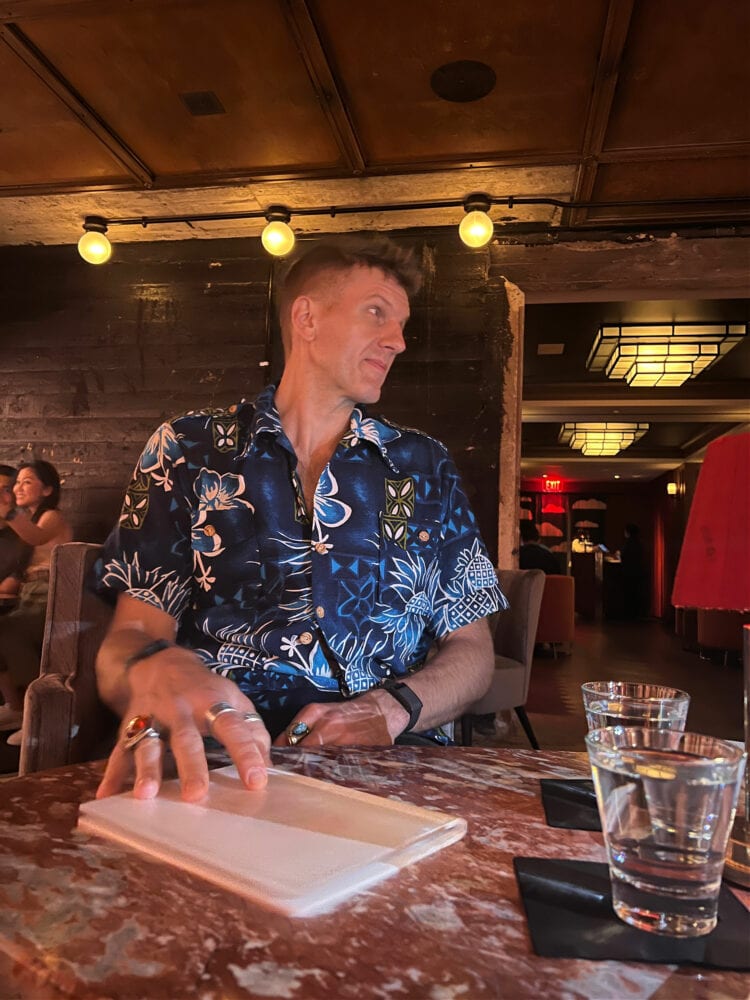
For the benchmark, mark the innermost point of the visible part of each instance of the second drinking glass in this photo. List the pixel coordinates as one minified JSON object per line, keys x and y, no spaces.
{"x":628,"y":703}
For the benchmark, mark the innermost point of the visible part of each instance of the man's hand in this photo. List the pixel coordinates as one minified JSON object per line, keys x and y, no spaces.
{"x":375,"y":719}
{"x":455,"y":677}
{"x":175,"y":688}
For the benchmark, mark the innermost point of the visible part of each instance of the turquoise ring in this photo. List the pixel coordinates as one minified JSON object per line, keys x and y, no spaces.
{"x":297,"y":732}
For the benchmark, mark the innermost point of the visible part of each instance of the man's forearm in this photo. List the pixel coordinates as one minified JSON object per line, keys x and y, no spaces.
{"x":454,"y":678}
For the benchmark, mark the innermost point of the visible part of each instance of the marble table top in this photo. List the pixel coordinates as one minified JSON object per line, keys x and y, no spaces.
{"x":82,"y":917}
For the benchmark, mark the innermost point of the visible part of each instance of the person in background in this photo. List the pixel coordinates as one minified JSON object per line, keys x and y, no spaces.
{"x":285,"y":570}
{"x":532,"y":554}
{"x":14,"y":553}
{"x":633,"y":573}
{"x":37,"y":522}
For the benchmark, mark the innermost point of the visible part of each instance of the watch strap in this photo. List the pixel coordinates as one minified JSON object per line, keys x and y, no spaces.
{"x":406,"y":698}
{"x":150,"y":649}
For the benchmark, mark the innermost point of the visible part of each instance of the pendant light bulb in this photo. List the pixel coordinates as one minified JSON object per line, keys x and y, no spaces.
{"x":278,"y":236}
{"x":476,"y":229}
{"x":94,"y":246}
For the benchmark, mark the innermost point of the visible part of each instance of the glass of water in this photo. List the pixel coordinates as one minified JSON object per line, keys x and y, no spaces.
{"x":627,"y":703}
{"x":667,"y":802}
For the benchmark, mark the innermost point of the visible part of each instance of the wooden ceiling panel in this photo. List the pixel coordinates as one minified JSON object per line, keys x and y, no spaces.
{"x":719,"y":177}
{"x":132,"y":66}
{"x":544,"y":55}
{"x":41,"y":141}
{"x":685,"y":76}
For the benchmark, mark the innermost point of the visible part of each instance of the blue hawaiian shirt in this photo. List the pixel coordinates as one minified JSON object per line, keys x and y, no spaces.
{"x":293,"y":608}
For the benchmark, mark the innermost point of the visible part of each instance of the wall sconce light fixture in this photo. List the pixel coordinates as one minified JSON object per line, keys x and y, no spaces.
{"x":476,"y":229}
{"x":278,"y":236}
{"x":94,"y":246}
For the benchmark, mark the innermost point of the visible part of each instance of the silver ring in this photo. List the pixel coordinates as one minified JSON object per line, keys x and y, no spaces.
{"x":297,"y":732}
{"x":140,"y":727}
{"x":220,"y":707}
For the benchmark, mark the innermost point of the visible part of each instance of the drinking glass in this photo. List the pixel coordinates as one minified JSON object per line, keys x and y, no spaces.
{"x":627,"y":703}
{"x":667,"y":802}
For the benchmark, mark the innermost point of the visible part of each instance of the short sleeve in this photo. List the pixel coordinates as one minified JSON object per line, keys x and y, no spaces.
{"x":468,"y":589}
{"x":149,"y":555}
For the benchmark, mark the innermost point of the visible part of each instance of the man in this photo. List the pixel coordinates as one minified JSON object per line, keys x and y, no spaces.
{"x":305,"y":556}
{"x":532,"y":554}
{"x":14,"y":553}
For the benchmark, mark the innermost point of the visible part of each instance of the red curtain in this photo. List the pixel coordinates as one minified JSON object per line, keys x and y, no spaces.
{"x":714,"y":566}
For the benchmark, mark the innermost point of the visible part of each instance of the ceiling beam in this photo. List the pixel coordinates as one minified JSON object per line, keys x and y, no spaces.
{"x":665,"y":154}
{"x":16,"y":11}
{"x":727,"y":403}
{"x":307,"y":39}
{"x":568,"y":411}
{"x":22,"y":47}
{"x":562,"y":453}
{"x":600,"y":105}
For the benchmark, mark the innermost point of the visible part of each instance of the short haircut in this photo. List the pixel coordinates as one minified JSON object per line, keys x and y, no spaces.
{"x":332,"y":258}
{"x":9,"y":471}
{"x":529,"y":532}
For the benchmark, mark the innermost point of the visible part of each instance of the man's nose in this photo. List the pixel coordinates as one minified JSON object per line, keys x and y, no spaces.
{"x":393,"y":337}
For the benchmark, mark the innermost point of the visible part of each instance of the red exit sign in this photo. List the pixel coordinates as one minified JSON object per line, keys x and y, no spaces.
{"x":552,"y":485}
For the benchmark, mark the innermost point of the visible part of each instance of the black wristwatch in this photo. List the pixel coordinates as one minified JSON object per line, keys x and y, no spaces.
{"x":406,"y":698}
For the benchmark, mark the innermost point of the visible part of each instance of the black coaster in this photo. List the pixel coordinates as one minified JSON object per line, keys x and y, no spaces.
{"x":569,"y":912}
{"x":570,"y":803}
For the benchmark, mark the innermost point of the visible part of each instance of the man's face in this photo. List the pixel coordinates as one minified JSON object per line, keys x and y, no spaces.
{"x":6,"y":495}
{"x":359,"y":330}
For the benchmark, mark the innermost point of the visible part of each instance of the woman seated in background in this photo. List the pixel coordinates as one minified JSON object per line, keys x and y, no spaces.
{"x":37,"y":521}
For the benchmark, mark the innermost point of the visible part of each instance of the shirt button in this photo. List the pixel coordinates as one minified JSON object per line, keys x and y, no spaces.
{"x":320,"y":611}
{"x":306,"y":638}
{"x":321,"y":548}
{"x":209,"y":530}
{"x":424,"y":536}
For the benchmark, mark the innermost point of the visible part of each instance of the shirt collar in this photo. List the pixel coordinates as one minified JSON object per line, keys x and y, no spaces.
{"x":361,"y":427}
{"x":267,"y":418}
{"x":378,"y":433}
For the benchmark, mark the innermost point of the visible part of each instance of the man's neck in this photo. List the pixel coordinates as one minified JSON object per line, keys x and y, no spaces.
{"x":313,"y":421}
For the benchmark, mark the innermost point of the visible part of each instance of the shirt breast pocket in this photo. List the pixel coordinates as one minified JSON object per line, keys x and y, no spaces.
{"x":408,"y":573}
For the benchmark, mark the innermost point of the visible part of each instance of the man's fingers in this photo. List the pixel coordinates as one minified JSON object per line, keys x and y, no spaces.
{"x":116,"y":773}
{"x":333,"y":724}
{"x":148,"y":756}
{"x":247,"y":743}
{"x":187,"y":746}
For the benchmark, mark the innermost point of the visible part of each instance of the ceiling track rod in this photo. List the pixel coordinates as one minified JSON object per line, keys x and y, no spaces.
{"x":507,"y":200}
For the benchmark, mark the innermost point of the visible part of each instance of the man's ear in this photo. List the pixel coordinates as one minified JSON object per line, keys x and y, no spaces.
{"x":303,"y":317}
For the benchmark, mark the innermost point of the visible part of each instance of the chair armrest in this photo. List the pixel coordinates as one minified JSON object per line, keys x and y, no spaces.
{"x":47,"y":722}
